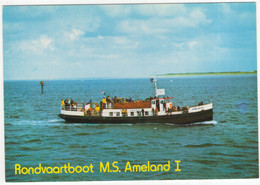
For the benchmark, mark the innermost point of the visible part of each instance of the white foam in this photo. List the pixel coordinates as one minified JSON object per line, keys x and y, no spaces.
{"x":212,"y":122}
{"x":36,"y":122}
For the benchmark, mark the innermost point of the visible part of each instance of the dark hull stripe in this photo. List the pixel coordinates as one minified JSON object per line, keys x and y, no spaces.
{"x":175,"y":119}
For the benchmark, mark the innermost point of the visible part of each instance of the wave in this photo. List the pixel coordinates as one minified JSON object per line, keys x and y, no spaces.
{"x":77,"y":146}
{"x":140,"y":144}
{"x":224,"y":154}
{"x":11,"y":143}
{"x":12,"y":116}
{"x":202,"y":145}
{"x":25,"y":148}
{"x":81,"y":134}
{"x":33,"y":140}
{"x":86,"y":134}
{"x":121,"y":153}
{"x":29,"y":149}
{"x":202,"y":161}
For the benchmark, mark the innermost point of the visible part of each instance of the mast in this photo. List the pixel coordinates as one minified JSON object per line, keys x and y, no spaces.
{"x":157,"y":92}
{"x":155,"y":87}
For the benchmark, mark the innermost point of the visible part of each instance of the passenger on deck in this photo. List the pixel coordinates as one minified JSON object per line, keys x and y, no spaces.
{"x":104,"y":100}
{"x":97,"y":109}
{"x":90,"y":112}
{"x":66,"y":102}
{"x":164,"y":105}
{"x":178,"y":108}
{"x":74,"y":106}
{"x":71,"y":102}
{"x":124,"y":112}
{"x":108,"y":100}
{"x":62,"y":103}
{"x":200,"y":103}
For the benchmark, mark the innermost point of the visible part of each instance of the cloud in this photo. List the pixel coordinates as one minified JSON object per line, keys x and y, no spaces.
{"x":156,"y":18}
{"x":199,"y":17}
{"x":163,"y":25}
{"x":225,"y":8}
{"x":142,"y":27}
{"x":44,"y":43}
{"x":192,"y":44}
{"x":26,"y":12}
{"x":116,"y":10}
{"x":161,"y":10}
{"x":113,"y":38}
{"x":75,"y":34}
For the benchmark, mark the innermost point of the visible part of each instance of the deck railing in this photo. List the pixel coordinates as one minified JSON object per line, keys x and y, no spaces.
{"x":72,"y":108}
{"x":108,"y":106}
{"x":76,"y":107}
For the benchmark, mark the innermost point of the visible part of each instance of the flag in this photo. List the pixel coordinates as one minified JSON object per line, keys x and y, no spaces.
{"x":160,"y":92}
{"x":103,"y":93}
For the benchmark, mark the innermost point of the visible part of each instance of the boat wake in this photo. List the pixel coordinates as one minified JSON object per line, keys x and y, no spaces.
{"x":212,"y":122}
{"x":37,"y":122}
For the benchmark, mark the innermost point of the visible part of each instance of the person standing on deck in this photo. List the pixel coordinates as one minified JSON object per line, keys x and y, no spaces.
{"x":97,"y":109}
{"x":104,"y":102}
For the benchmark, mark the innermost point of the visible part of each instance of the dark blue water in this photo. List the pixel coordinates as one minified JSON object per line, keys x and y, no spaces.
{"x":225,"y":148}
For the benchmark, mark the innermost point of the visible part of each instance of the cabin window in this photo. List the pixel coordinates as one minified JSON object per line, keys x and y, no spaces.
{"x":118,"y":114}
{"x":153,"y":102}
{"x":138,"y":113}
{"x":161,"y":102}
{"x":110,"y":113}
{"x":132,"y":113}
{"x":146,"y":113}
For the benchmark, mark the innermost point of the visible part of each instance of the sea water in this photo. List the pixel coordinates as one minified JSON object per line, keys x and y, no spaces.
{"x":224,"y":148}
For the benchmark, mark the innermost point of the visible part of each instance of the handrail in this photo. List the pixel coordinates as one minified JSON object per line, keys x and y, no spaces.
{"x":72,"y":108}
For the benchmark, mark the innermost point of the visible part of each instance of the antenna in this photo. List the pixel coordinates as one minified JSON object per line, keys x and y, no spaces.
{"x":154,"y":80}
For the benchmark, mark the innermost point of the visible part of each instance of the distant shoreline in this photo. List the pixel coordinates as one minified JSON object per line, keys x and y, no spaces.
{"x":210,"y":73}
{"x":158,"y":75}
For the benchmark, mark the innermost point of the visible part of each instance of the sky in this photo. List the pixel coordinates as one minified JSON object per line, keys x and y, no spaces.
{"x":127,"y":41}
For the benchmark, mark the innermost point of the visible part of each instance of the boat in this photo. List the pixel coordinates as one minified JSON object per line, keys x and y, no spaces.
{"x":155,"y":109}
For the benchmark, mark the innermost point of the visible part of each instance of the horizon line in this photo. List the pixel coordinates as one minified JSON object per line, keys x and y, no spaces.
{"x":157,"y":75}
